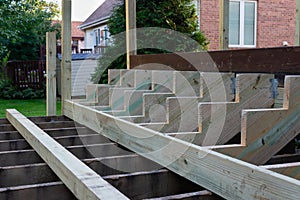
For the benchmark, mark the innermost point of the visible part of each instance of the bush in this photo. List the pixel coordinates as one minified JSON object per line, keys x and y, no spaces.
{"x":9,"y":91}
{"x":177,"y":15}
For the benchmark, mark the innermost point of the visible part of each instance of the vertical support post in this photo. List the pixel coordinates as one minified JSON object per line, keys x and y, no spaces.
{"x":224,"y":24}
{"x":297,"y":31}
{"x":131,"y":46}
{"x":51,"y":73}
{"x":66,"y":61}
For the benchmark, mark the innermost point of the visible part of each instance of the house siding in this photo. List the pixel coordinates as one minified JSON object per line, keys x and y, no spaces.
{"x":276,"y":22}
{"x":89,"y":38}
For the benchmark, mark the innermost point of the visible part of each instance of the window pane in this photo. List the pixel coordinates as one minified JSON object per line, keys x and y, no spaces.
{"x":234,"y":23}
{"x":249,"y":23}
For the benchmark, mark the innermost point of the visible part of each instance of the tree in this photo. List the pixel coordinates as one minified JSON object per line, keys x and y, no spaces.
{"x":23,"y":27}
{"x":177,"y":15}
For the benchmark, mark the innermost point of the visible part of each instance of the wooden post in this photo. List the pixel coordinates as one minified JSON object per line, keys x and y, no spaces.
{"x":131,"y":45}
{"x":51,"y":73}
{"x":224,"y":24}
{"x":66,"y":53}
{"x":297,"y":31}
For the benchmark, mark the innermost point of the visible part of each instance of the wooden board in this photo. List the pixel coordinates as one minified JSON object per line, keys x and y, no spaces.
{"x":256,"y":60}
{"x":81,"y":180}
{"x":114,"y":77}
{"x":223,"y":175}
{"x":267,"y":131}
{"x":252,"y":91}
{"x":182,"y":110}
{"x":51,"y":73}
{"x":288,"y":169}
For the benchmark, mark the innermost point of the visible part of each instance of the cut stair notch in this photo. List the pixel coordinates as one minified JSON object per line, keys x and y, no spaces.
{"x":267,"y":131}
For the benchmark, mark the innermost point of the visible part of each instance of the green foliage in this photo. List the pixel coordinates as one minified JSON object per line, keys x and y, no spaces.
{"x":23,"y":27}
{"x":3,"y":64}
{"x":31,"y":107}
{"x":9,"y":91}
{"x":177,"y":15}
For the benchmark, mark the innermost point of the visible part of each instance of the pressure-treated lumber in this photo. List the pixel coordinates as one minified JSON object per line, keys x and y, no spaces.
{"x":36,"y":173}
{"x":127,"y":78}
{"x":131,"y":43}
{"x":117,"y":100}
{"x":182,"y":110}
{"x":66,"y":61}
{"x":267,"y":131}
{"x":81,"y":180}
{"x":192,"y":195}
{"x":223,"y":175}
{"x":161,"y":183}
{"x":98,"y":94}
{"x":114,"y":76}
{"x":21,"y":144}
{"x":288,"y":169}
{"x":51,"y":191}
{"x":24,"y":157}
{"x":51,"y":73}
{"x":252,"y":91}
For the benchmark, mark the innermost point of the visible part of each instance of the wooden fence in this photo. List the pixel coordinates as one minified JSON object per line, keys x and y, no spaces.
{"x":27,"y":74}
{"x":283,"y":60}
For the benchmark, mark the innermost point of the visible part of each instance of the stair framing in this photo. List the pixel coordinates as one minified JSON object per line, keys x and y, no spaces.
{"x":231,"y":178}
{"x":207,"y":166}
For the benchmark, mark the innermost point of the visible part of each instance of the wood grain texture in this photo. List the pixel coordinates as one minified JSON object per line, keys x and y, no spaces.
{"x":114,"y":77}
{"x":288,"y":169}
{"x":258,"y":60}
{"x":66,"y":62}
{"x":81,"y":180}
{"x":51,"y":74}
{"x":252,"y":91}
{"x":182,"y":110}
{"x":266,"y":131}
{"x":223,"y":175}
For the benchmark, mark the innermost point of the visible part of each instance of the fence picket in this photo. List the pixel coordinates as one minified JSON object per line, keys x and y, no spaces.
{"x":25,"y":74}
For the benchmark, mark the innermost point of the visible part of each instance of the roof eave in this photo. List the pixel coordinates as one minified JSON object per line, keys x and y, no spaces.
{"x":93,"y":23}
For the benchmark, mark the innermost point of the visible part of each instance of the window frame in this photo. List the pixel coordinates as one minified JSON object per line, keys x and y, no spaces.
{"x":242,"y":25}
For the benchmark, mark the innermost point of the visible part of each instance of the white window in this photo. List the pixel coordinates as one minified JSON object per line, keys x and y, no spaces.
{"x":101,"y":36}
{"x":97,"y":36}
{"x":242,"y":23}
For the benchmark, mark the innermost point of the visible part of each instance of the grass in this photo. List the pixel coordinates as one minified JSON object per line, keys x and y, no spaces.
{"x":30,"y":108}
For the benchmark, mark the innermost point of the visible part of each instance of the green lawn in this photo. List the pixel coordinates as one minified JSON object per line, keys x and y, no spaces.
{"x":30,"y":108}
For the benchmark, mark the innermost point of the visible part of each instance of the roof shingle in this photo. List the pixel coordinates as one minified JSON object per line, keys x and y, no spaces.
{"x":103,"y":12}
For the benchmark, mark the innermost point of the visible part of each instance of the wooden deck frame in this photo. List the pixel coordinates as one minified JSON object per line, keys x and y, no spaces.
{"x":81,"y":180}
{"x":288,"y":169}
{"x":260,"y":141}
{"x":223,"y":175}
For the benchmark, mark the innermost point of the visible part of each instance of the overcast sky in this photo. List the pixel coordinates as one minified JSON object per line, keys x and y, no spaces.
{"x":82,"y":9}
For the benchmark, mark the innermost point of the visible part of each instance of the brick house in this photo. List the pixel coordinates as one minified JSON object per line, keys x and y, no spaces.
{"x":226,"y":23}
{"x":248,"y":23}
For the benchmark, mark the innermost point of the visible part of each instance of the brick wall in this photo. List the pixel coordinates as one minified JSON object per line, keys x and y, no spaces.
{"x":276,"y":22}
{"x":209,"y":21}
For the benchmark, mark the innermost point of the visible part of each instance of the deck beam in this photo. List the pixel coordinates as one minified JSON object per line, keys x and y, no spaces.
{"x":221,"y":174}
{"x":83,"y":182}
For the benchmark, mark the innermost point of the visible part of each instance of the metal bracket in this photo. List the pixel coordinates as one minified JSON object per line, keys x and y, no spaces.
{"x":274,"y":88}
{"x":233,"y":86}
